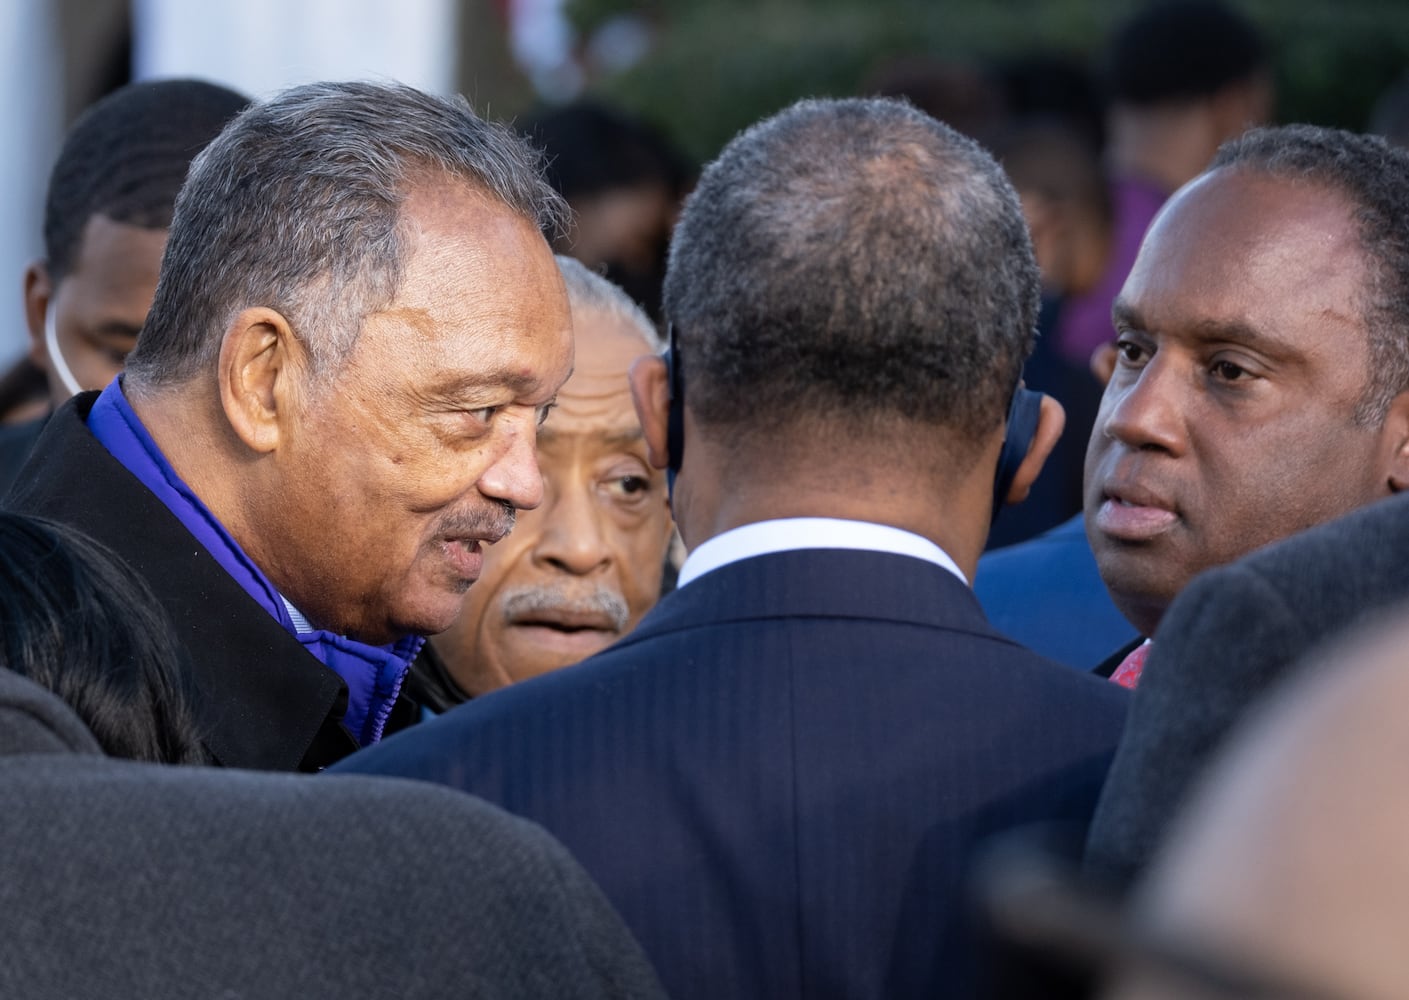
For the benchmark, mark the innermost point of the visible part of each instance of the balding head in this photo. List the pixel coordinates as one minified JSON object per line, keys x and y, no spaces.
{"x":852,"y":258}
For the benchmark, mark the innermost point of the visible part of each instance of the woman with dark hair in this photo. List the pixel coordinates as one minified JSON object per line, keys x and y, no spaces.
{"x":77,"y":621}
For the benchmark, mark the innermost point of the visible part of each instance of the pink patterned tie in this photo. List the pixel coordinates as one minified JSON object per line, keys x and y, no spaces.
{"x":1127,"y":675}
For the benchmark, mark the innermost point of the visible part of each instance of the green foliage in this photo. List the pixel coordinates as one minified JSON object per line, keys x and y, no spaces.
{"x":718,"y":65}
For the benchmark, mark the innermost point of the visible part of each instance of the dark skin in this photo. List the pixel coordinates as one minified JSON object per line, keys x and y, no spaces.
{"x":1232,"y":418}
{"x":367,"y":499}
{"x":99,"y":306}
{"x":941,"y":491}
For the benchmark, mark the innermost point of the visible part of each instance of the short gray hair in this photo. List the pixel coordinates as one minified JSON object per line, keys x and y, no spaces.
{"x":589,"y":291}
{"x":852,"y":258}
{"x":296,"y":206}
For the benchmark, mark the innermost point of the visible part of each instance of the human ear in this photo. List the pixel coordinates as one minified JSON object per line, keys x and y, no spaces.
{"x":1051,"y":419}
{"x":38,"y":291}
{"x":259,"y":358}
{"x":1103,"y":362}
{"x":650,"y":394}
{"x":1396,"y":426}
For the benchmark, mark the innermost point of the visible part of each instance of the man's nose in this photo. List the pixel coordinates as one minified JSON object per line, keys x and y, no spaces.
{"x":514,"y":476}
{"x":1146,"y":410}
{"x":574,"y":536}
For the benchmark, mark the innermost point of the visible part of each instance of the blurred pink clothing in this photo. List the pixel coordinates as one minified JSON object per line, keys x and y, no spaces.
{"x":1085,"y":320}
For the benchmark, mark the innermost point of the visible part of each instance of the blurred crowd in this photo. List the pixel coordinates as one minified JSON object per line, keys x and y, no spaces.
{"x":944,"y":546}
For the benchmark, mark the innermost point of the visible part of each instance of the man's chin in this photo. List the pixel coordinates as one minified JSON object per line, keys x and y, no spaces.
{"x":1142,"y":608}
{"x":540,"y":649}
{"x":431,"y":618}
{"x":1136,"y":586}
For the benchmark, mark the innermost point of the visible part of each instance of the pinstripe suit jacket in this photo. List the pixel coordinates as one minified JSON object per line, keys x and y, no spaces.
{"x":780,"y":776}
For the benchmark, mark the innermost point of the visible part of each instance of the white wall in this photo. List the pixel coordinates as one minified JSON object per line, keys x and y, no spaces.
{"x":30,"y":132}
{"x":260,"y":46}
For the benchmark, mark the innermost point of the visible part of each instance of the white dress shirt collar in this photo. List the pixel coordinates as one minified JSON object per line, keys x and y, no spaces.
{"x":787,"y":534}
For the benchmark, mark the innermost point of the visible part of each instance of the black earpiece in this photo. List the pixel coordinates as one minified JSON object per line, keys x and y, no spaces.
{"x":675,"y":421}
{"x":1023,"y":413}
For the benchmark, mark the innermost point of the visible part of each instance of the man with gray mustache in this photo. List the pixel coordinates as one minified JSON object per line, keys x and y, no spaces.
{"x":581,"y":570}
{"x":332,"y":411}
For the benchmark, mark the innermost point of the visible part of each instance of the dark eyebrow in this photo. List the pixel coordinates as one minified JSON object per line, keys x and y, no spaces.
{"x":1241,"y":334}
{"x":1123,"y":314}
{"x":115,"y":328}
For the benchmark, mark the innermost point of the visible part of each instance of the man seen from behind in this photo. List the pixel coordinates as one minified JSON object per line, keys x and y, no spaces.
{"x":779,"y":776}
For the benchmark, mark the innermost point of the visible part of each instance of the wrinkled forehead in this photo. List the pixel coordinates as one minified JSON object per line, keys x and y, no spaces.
{"x":607,"y":343}
{"x":479,"y":303}
{"x":594,"y":408}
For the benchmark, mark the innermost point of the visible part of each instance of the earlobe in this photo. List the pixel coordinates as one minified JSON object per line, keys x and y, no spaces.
{"x":650,"y":394}
{"x":37,"y":295}
{"x":1103,"y":361}
{"x":258,"y":359}
{"x":1396,"y":426}
{"x":1051,"y":420}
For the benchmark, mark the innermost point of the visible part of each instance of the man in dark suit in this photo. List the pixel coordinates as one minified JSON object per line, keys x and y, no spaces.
{"x":333,"y":403}
{"x":779,"y":777}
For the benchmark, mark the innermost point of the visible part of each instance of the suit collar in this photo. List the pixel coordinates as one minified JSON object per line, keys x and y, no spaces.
{"x":821,"y":583}
{"x":1110,"y":664}
{"x":789,"y":533}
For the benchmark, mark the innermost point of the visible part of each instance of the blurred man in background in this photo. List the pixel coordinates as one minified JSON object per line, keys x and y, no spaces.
{"x":624,"y":182}
{"x":109,"y":205}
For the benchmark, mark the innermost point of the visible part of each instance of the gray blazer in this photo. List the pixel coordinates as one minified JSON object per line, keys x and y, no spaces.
{"x":1235,"y":632}
{"x":132,"y":880}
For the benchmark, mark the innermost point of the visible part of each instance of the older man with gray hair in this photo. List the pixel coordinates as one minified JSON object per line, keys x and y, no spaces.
{"x":334,"y":404}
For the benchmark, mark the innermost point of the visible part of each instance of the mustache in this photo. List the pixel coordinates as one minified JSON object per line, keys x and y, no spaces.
{"x":490,"y":522}
{"x":529,"y":601}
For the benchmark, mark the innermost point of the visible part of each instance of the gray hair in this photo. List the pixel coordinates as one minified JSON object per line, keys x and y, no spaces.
{"x":853,"y":258}
{"x":296,"y":206}
{"x":1373,"y":176}
{"x":590,"y":292}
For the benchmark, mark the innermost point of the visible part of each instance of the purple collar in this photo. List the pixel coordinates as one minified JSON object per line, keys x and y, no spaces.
{"x":373,"y":674}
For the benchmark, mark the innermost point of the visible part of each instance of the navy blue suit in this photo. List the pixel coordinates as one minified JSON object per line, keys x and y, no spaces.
{"x":1048,"y":595}
{"x":779,"y":777}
